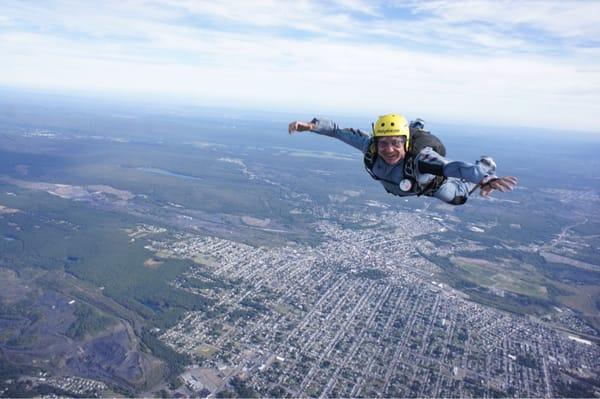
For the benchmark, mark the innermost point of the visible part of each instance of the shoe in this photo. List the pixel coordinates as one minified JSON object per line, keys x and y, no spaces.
{"x":418,"y":124}
{"x":489,"y":163}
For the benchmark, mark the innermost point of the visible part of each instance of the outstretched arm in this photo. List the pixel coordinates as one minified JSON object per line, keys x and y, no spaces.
{"x":354,"y":137}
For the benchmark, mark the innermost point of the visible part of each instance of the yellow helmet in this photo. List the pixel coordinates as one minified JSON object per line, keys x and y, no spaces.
{"x":392,"y":125}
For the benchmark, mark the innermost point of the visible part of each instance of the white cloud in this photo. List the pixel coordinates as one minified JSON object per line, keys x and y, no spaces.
{"x":564,"y":18}
{"x":364,"y":7}
{"x":447,"y":65}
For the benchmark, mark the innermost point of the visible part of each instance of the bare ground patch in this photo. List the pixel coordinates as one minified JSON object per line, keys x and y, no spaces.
{"x":583,"y":298}
{"x":153,"y":263}
{"x":206,"y":260}
{"x":12,"y":288}
{"x":255,"y":222}
{"x":205,"y":350}
{"x":551,"y":257}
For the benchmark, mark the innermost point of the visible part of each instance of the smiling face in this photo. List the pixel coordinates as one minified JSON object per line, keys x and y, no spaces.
{"x":391,"y":149}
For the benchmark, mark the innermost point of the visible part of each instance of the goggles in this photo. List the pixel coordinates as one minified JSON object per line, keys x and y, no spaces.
{"x":396,"y":142}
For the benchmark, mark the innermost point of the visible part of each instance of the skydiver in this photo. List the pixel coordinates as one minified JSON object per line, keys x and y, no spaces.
{"x":406,"y":169}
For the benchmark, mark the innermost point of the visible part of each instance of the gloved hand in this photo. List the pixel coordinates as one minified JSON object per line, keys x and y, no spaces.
{"x":503,"y":184}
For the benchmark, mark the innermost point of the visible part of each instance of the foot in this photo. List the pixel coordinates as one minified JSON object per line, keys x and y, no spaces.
{"x":489,"y":163}
{"x":418,"y":124}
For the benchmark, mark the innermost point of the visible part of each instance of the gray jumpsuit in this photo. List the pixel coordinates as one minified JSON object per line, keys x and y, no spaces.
{"x":461,"y":177}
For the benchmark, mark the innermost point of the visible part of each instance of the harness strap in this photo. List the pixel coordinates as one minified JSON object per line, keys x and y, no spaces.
{"x":429,"y":188}
{"x":408,"y":170}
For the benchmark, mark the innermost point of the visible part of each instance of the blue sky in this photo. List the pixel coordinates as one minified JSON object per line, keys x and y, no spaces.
{"x":529,"y":63}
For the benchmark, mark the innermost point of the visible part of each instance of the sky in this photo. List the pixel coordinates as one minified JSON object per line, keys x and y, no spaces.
{"x":506,"y":63}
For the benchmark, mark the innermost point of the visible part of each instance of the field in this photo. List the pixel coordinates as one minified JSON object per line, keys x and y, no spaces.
{"x":72,"y":198}
{"x":500,"y":277}
{"x":205,"y":351}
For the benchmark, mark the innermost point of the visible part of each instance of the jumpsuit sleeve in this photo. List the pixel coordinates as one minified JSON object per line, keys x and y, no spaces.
{"x":354,"y":137}
{"x":430,"y":162}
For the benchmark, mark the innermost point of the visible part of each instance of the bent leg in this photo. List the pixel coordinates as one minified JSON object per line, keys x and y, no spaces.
{"x":454,"y":191}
